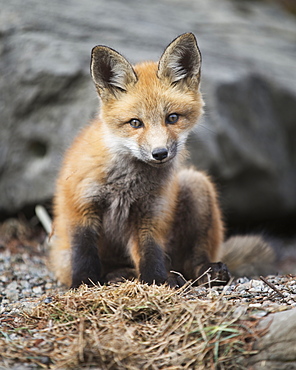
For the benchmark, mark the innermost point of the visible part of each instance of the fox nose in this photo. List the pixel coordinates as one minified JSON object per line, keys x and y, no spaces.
{"x":159,"y":154}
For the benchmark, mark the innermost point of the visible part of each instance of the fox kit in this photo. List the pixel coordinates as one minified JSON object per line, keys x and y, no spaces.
{"x":124,"y":205}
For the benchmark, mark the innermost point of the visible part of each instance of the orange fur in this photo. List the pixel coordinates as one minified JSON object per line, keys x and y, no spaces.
{"x":118,"y":203}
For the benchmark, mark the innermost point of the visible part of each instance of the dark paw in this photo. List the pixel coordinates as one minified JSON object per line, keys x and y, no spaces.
{"x":77,"y":281}
{"x":120,"y":275}
{"x":215,"y":273}
{"x":150,"y":278}
{"x":175,"y":280}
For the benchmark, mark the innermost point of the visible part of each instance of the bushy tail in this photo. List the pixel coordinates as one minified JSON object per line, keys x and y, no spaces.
{"x":248,"y":256}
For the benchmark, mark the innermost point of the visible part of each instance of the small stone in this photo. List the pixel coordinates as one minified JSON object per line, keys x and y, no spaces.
{"x":47,"y":300}
{"x":37,"y":290}
{"x":255,"y":305}
{"x":242,"y":280}
{"x":25,"y":284}
{"x":12,"y":286}
{"x":242,"y":287}
{"x":48,"y":286}
{"x":257,"y":284}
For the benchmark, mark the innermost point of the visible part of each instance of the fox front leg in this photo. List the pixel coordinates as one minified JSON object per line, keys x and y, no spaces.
{"x":86,"y":264}
{"x":150,"y":260}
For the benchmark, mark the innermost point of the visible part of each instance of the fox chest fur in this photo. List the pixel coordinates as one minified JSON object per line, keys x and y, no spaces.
{"x":127,"y":196}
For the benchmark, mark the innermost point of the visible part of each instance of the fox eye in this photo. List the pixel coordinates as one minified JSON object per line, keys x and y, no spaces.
{"x":136,"y":123}
{"x":172,"y":118}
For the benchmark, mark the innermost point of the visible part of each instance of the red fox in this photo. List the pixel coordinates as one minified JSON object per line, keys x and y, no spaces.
{"x":124,"y":205}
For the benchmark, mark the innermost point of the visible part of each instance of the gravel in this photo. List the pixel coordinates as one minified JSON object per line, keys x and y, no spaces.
{"x":279,"y":295}
{"x":25,"y":279}
{"x":25,"y":282}
{"x":22,"y":279}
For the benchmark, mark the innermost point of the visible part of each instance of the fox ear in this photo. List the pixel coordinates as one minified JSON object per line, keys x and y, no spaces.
{"x":111,"y":72}
{"x":181,"y":61}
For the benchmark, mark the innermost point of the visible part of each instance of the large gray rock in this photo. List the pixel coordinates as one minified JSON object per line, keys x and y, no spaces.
{"x":276,"y":349}
{"x":247,"y":139}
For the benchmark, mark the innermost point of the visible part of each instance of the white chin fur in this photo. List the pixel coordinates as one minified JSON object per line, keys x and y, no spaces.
{"x":157,"y":164}
{"x":120,"y":146}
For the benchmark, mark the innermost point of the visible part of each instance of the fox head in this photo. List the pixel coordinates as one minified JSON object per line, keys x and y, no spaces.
{"x":148,"y":110}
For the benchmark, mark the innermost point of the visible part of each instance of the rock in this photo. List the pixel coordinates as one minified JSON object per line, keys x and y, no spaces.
{"x":254,"y":157}
{"x":37,"y":289}
{"x":247,"y":140}
{"x":276,"y":349}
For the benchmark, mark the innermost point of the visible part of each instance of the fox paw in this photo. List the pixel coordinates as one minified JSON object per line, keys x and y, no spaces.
{"x":213,"y":273}
{"x":87,"y":280}
{"x":120,"y":275}
{"x":175,"y":280}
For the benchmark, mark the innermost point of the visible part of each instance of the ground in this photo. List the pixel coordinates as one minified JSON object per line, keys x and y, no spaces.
{"x":124,"y":326}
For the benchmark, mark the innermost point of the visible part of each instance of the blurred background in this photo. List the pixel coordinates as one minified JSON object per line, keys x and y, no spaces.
{"x":246,"y":140}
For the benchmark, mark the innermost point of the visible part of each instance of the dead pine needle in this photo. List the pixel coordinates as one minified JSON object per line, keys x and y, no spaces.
{"x":128,"y":326}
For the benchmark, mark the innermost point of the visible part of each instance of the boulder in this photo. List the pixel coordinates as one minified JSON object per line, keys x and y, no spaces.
{"x":276,"y":349}
{"x":247,"y":139}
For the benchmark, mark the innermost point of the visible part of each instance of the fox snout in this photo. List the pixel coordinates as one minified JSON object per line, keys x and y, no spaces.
{"x":160,"y":154}
{"x":159,"y":146}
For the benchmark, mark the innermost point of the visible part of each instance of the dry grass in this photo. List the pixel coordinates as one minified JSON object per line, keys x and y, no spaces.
{"x":129,"y":326}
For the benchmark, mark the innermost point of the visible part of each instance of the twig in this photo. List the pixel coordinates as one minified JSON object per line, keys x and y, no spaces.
{"x":44,"y":218}
{"x":272,"y":287}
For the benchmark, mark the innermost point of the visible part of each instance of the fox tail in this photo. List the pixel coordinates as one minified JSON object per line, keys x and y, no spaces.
{"x":248,"y":256}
